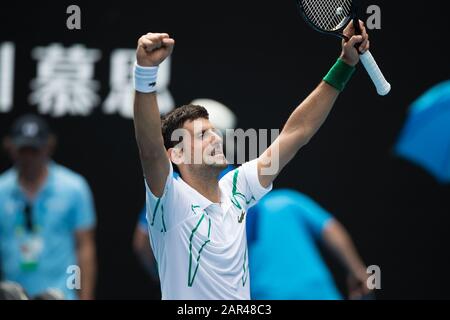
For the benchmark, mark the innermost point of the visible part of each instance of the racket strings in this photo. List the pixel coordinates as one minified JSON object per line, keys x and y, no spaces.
{"x":328,"y":15}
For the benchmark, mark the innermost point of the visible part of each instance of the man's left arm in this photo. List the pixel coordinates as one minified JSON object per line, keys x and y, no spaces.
{"x":308,"y":117}
{"x":86,"y":255}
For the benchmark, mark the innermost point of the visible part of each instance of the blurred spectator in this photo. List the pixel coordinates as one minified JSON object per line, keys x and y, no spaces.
{"x":285,"y":262}
{"x":142,"y":248}
{"x":47,"y":217}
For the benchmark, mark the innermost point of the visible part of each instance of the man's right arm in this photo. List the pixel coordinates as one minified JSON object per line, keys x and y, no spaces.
{"x":147,"y":125}
{"x":152,"y":49}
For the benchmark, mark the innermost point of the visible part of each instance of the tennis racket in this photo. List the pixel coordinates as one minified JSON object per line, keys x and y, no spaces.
{"x":331,"y":17}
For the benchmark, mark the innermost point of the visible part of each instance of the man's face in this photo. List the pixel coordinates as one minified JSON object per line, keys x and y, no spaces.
{"x":29,"y":159}
{"x":203,"y":144}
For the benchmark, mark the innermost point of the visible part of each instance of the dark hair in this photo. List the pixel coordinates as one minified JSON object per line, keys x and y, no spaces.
{"x":176,"y":118}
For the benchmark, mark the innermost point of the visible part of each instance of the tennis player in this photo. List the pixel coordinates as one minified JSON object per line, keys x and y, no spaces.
{"x":197,"y":223}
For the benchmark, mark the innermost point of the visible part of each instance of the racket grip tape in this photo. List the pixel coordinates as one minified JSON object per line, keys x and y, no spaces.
{"x":383,"y":87}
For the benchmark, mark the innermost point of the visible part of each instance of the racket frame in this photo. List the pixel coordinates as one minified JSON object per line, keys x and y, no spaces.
{"x":338,"y":32}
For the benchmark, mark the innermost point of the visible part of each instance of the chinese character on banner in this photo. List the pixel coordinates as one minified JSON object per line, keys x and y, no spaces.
{"x":6,"y":76}
{"x":120,"y":98}
{"x":64,"y":82}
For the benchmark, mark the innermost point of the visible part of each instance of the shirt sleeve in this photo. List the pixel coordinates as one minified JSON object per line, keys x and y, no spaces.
{"x":313,"y":215}
{"x":246,"y":188}
{"x":167,"y":211}
{"x":84,"y":216}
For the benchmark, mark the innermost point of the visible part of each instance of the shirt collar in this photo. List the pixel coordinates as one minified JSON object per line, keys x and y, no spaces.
{"x":196,"y":196}
{"x":47,"y":184}
{"x":202,"y":201}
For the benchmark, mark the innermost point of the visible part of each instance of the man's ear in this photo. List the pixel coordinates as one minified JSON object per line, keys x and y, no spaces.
{"x":175,"y":155}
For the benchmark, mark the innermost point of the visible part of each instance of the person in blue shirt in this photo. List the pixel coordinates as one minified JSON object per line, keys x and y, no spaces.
{"x":142,"y":248}
{"x":47,"y":217}
{"x":283,"y":230}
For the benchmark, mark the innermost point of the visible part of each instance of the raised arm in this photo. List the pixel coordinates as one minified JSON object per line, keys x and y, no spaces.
{"x":308,"y":117}
{"x":152,"y":49}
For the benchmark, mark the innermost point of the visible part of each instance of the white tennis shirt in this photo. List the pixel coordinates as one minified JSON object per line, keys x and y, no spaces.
{"x":201,"y":246}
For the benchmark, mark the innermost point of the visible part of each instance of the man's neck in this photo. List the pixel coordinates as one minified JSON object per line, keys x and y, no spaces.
{"x":32,"y":181}
{"x":206,"y":185}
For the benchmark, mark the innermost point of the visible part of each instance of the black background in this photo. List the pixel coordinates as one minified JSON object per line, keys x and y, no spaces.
{"x":260,"y":59}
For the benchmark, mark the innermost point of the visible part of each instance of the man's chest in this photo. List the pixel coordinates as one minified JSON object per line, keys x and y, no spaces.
{"x":217,"y":223}
{"x":45,"y":213}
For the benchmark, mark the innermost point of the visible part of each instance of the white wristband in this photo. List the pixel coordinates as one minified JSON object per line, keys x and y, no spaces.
{"x":145,"y":78}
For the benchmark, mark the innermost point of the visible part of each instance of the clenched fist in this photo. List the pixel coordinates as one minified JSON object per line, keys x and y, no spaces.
{"x":154,"y":48}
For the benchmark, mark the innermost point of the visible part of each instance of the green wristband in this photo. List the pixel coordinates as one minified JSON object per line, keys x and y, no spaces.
{"x":339,"y":75}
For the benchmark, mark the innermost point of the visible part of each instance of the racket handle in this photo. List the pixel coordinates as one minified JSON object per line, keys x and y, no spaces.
{"x":383,"y":87}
